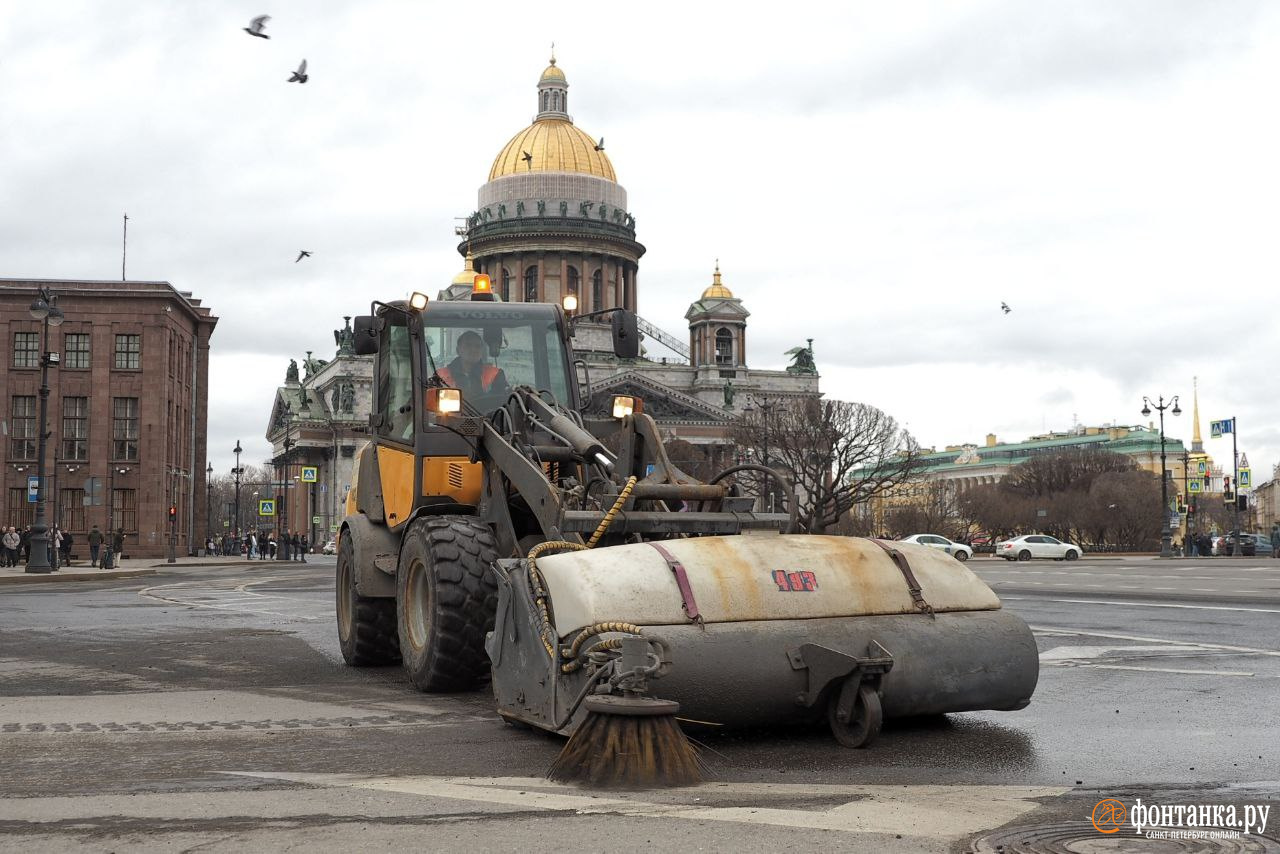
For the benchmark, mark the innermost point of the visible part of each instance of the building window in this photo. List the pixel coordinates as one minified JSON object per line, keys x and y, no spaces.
{"x":22,"y":427}
{"x":75,"y":428}
{"x":531,"y":284}
{"x":724,"y":346}
{"x":21,"y":513}
{"x":124,"y":510}
{"x":597,"y":290}
{"x":75,"y":350}
{"x":71,"y":510}
{"x":26,"y":349}
{"x":506,"y":285}
{"x":128,"y":352}
{"x":124,"y":428}
{"x":573,"y":281}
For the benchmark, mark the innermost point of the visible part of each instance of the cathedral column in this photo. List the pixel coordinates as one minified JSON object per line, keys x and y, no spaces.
{"x":564,"y":278}
{"x":542,"y":276}
{"x":519,"y":278}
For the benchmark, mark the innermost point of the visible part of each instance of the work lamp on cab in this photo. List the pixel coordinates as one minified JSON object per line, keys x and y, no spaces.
{"x":624,"y":405}
{"x":482,"y":288}
{"x":570,"y":302}
{"x":418,"y":301}
{"x":445,"y":401}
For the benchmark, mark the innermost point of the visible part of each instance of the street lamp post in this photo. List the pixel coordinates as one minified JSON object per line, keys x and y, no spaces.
{"x":1166,"y":535}
{"x":45,"y":309}
{"x":208,"y":505}
{"x":766,"y":407}
{"x":1186,"y":496}
{"x":237,"y":471}
{"x":283,"y":552}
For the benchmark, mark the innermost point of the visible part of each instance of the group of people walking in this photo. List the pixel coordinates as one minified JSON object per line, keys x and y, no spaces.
{"x":262,"y":546}
{"x":16,"y":546}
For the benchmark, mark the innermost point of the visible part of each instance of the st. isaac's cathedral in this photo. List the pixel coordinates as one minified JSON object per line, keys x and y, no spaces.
{"x":552,"y":220}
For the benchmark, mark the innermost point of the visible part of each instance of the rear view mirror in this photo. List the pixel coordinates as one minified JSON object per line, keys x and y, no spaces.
{"x":365,"y":329}
{"x":626,"y":335}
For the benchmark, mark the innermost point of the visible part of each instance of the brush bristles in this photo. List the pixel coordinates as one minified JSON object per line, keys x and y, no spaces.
{"x":629,"y":752}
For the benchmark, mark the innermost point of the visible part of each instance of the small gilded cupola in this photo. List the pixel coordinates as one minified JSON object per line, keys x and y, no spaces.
{"x":553,"y":93}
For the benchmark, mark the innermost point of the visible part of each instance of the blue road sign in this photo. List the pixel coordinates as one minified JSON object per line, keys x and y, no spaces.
{"x":33,"y":488}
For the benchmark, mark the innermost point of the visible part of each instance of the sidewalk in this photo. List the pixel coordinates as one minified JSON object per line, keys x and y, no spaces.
{"x":82,"y":570}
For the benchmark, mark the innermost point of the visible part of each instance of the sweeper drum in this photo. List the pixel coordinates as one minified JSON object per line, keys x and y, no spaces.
{"x":761,"y":630}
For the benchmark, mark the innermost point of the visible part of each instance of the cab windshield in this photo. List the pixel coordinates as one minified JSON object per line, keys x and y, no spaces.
{"x":485,"y":350}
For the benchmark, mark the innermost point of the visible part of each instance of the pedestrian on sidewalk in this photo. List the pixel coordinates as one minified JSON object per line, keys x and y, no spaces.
{"x":1275,"y":539}
{"x":117,"y":543}
{"x":11,"y":541}
{"x":95,"y":545}
{"x":302,"y":548}
{"x":24,"y":544}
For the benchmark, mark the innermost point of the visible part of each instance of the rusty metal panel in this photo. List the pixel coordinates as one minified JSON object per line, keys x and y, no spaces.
{"x":743,"y":579}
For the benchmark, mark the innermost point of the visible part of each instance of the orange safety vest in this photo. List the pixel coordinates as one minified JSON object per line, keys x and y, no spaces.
{"x":488,"y":374}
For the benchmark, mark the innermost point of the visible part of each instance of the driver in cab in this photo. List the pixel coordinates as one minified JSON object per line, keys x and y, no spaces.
{"x":468,"y":372}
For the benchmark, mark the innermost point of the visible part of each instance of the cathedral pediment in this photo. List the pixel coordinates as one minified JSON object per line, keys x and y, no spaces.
{"x":660,"y":401}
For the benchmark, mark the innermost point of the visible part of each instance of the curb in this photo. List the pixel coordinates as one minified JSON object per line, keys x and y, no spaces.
{"x":35,"y":578}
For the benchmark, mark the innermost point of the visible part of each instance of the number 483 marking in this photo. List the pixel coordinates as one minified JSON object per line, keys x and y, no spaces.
{"x":795,"y":582}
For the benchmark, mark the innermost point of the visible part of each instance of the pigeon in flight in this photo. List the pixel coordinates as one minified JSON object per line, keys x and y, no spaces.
{"x":527,"y":158}
{"x":256,"y":26}
{"x":600,"y":144}
{"x":302,"y":254}
{"x":300,"y":76}
{"x":1004,"y":306}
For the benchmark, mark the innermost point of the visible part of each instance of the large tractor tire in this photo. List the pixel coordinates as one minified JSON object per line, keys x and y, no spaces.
{"x":366,"y":626}
{"x":445,"y":601}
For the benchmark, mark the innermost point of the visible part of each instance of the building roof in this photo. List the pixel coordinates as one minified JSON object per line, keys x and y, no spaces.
{"x":717,"y":290}
{"x":555,"y":145}
{"x":1133,"y":440}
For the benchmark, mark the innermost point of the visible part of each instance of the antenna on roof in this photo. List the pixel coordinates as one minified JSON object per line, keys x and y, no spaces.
{"x":124,"y":247}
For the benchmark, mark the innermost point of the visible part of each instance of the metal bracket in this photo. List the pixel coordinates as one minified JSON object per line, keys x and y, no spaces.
{"x":825,"y":665}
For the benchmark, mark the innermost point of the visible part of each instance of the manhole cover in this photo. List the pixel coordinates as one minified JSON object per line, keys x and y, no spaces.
{"x":1078,"y":838}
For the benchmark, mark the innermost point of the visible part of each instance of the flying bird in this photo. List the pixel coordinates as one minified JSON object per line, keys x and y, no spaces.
{"x":600,"y":144}
{"x":527,"y":158}
{"x":302,"y":254}
{"x":1004,"y":306}
{"x":300,"y":76}
{"x":256,"y":26}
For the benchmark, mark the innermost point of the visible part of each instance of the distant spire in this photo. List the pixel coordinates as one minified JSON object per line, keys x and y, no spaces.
{"x":1197,"y":444}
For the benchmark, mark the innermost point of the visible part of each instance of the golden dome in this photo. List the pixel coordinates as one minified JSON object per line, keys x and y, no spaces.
{"x":717,"y":289}
{"x":552,"y":73}
{"x":554,"y":145}
{"x":468,"y":275}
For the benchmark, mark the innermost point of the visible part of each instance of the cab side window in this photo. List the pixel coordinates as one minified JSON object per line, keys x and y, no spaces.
{"x":395,"y":382}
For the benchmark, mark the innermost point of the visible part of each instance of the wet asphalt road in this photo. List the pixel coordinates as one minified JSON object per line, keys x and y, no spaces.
{"x":211,"y":708}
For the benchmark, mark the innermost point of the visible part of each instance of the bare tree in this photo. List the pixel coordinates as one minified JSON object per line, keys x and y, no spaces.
{"x":931,"y":506}
{"x":1064,"y":470}
{"x":837,"y":453}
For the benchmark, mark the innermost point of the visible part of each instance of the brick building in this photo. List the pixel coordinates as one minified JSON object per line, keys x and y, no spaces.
{"x":127,"y":410}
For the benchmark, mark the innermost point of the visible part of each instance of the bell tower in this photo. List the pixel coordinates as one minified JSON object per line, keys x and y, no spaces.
{"x":717,"y":332}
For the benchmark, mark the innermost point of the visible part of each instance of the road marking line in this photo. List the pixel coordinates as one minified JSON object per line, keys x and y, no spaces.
{"x":940,"y":812}
{"x":1058,"y":631}
{"x":1146,"y":605}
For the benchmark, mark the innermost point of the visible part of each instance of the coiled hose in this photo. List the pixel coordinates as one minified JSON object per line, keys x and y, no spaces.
{"x":545,"y":632}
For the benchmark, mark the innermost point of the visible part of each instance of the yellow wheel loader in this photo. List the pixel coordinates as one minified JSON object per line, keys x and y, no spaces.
{"x":491,"y":533}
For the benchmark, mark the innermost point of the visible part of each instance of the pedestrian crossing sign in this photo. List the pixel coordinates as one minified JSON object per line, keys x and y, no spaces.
{"x":1202,"y":467}
{"x":309,"y":474}
{"x":267,"y":507}
{"x":1218,"y":428}
{"x":1244,"y":479}
{"x":1193,"y":485}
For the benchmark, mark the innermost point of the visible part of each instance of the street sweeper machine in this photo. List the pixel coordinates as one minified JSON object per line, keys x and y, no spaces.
{"x":495,"y":531}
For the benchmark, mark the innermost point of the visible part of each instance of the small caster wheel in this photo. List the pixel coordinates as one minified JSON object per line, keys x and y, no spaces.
{"x":854,"y":714}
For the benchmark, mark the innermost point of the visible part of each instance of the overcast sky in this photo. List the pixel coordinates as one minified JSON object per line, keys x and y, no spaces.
{"x":875,"y":176}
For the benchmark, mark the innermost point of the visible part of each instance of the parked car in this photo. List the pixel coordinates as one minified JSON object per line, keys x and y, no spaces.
{"x":959,"y":551}
{"x":330,"y":548}
{"x":1251,"y":545}
{"x":1031,"y":546}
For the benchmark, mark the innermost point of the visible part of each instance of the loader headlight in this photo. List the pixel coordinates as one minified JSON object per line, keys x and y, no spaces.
{"x":570,"y":302}
{"x":418,"y":301}
{"x":445,"y":401}
{"x":624,"y":405}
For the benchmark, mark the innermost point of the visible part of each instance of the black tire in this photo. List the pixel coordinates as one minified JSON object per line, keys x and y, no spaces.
{"x":445,"y":601}
{"x":865,"y":716}
{"x":1024,"y":555}
{"x":366,"y":626}
{"x":1071,"y":554}
{"x":961,"y":555}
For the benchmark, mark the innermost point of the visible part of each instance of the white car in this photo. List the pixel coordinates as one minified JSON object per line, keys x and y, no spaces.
{"x":330,"y":548}
{"x":1030,"y":546}
{"x":959,"y":551}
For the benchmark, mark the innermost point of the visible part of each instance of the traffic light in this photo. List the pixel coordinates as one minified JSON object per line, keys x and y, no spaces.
{"x":173,"y":513}
{"x":1228,"y":496}
{"x":1242,"y":503}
